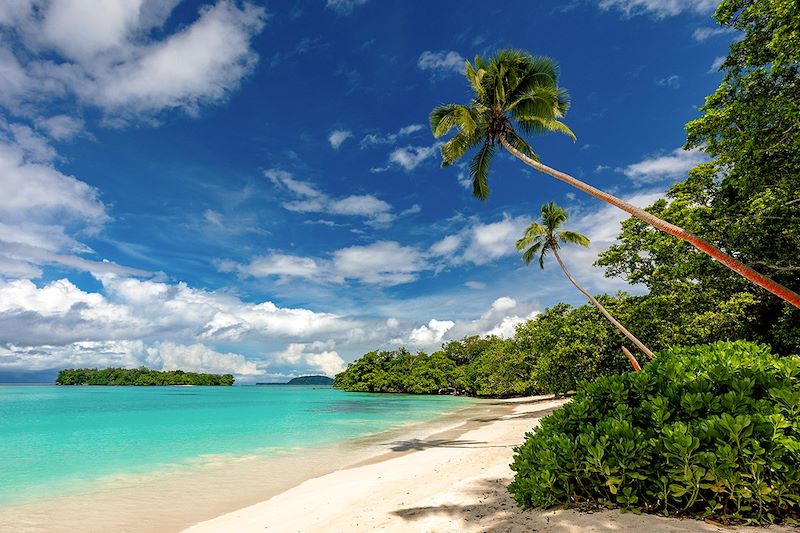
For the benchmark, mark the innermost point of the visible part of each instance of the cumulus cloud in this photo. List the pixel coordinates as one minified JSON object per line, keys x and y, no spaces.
{"x":660,"y":8}
{"x":311,"y":200}
{"x":127,"y":354}
{"x":43,"y":212}
{"x":670,"y":167}
{"x":501,"y":320}
{"x":197,"y":358}
{"x":487,"y":242}
{"x":410,"y":157}
{"x":60,"y":313}
{"x":337,"y":137}
{"x":60,"y":127}
{"x":314,"y":357}
{"x":441,"y":63}
{"x":113,"y":56}
{"x":430,"y":334}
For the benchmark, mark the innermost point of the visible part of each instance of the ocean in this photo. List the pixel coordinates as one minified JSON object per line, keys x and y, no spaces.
{"x":55,"y":441}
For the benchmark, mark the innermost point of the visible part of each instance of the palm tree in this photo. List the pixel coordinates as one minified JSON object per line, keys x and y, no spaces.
{"x":517,"y":91}
{"x":547,"y":237}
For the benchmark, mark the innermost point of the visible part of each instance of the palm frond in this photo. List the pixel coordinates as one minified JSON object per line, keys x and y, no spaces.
{"x":545,"y":249}
{"x":456,"y":147}
{"x":534,"y":232}
{"x":530,"y":253}
{"x":445,"y":117}
{"x":475,"y":77}
{"x":552,"y":216}
{"x":533,"y":125}
{"x":479,"y":171}
{"x":573,"y":237}
{"x":537,"y":102}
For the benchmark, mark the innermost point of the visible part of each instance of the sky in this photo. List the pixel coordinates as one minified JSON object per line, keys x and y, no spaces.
{"x":248,"y":187}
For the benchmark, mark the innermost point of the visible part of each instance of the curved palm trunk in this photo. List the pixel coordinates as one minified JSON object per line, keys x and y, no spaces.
{"x":631,"y":358}
{"x":737,"y":266}
{"x":602,"y":309}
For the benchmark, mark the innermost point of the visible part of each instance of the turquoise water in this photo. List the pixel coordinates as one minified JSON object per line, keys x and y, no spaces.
{"x":56,"y":439}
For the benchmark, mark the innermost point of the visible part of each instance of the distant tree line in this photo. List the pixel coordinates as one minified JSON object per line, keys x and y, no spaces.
{"x":559,"y":348}
{"x":139,"y":377}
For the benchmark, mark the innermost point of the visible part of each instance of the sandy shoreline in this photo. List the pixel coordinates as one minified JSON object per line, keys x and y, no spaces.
{"x":451,"y":481}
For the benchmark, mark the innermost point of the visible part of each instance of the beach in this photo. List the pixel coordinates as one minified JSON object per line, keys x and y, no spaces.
{"x":451,"y":481}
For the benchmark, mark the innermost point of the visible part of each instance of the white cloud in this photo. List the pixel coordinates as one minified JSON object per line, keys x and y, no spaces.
{"x":441,"y":63}
{"x":364,"y":205}
{"x":277,"y":264}
{"x":197,"y":358}
{"x":431,"y":334}
{"x":477,"y":285}
{"x":665,"y":167}
{"x":410,"y":157}
{"x":716,"y":64}
{"x":344,"y":6}
{"x":60,"y":313}
{"x":672,"y":81}
{"x":109,"y":55}
{"x":501,"y":320}
{"x":213,"y":217}
{"x":312,"y":357}
{"x":660,"y":8}
{"x":337,"y":137}
{"x":128,"y":354}
{"x":60,"y":127}
{"x":488,"y":242}
{"x":42,"y":211}
{"x":447,"y":245}
{"x":372,"y":139}
{"x":704,"y":33}
{"x":311,"y":200}
{"x":380,"y":263}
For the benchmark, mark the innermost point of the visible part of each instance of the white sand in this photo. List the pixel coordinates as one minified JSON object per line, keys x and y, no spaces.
{"x":451,"y":482}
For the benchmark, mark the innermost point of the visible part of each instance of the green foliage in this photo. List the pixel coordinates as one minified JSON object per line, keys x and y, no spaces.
{"x":746,"y":199}
{"x":139,"y":377}
{"x":481,"y":367}
{"x":710,"y":430}
{"x":559,"y":348}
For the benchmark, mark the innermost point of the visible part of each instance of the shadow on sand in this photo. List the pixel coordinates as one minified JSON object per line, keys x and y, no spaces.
{"x":493,"y":510}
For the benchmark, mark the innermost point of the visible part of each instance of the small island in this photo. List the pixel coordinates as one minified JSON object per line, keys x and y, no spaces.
{"x":311,"y":380}
{"x":139,"y":377}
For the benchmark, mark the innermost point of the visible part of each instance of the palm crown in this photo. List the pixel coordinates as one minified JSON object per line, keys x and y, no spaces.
{"x":546,"y":237}
{"x":513,"y":91}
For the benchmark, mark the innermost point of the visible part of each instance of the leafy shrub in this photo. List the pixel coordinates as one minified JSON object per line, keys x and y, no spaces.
{"x":700,"y":431}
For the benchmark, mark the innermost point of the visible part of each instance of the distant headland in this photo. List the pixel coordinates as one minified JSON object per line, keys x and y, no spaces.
{"x":139,"y":377}
{"x":305,"y":380}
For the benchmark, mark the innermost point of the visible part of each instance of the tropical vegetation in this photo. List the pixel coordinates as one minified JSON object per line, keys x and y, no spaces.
{"x":701,"y":431}
{"x":516,"y":91}
{"x":547,"y":238}
{"x":139,"y":377}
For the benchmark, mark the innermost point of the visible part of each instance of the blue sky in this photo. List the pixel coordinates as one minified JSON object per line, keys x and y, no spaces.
{"x":253,"y":187}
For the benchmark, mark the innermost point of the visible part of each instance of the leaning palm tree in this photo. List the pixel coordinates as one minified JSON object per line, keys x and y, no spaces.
{"x":514,"y":91}
{"x":547,"y":237}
